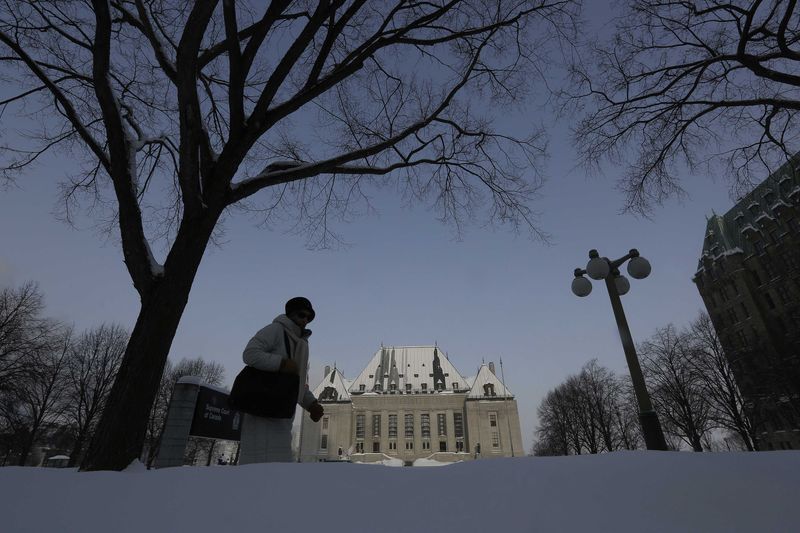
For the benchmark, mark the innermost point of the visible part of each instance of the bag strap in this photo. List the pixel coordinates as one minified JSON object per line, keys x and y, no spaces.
{"x":287,"y":345}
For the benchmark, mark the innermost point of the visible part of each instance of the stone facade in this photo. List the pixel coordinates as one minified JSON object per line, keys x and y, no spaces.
{"x":749,"y":279}
{"x":410,"y":403}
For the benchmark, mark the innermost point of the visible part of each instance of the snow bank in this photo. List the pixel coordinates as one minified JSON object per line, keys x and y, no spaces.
{"x":627,"y":491}
{"x":431,"y":462}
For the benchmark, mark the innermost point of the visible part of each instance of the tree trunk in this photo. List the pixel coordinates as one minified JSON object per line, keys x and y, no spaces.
{"x":28,"y":444}
{"x":76,"y":449}
{"x":120,"y":435}
{"x":210,"y":452}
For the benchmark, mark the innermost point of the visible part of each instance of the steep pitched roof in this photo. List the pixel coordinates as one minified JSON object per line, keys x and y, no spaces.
{"x":408,"y":368}
{"x":332,"y":388}
{"x":487,"y":386}
{"x":726,"y":234}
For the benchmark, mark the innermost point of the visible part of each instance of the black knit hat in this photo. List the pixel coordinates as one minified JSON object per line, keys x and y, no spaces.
{"x":300,"y":304}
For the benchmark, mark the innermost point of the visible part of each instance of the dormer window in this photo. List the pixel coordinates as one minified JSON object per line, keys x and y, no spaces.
{"x":424,"y":386}
{"x":378,"y":387}
{"x":769,"y":196}
{"x":362,"y":388}
{"x":754,"y":208}
{"x":488,"y":390}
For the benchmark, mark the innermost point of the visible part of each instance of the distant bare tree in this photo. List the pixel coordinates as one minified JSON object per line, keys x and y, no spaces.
{"x":23,"y":331}
{"x":719,"y":383}
{"x":41,"y":391}
{"x":688,"y":82}
{"x":211,"y":372}
{"x":677,"y":391}
{"x":188,"y":109}
{"x":91,"y":370}
{"x":590,"y":412}
{"x":556,"y":434}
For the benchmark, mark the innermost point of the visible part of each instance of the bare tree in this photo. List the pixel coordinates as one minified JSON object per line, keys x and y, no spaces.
{"x":690,"y":82}
{"x":676,"y":389}
{"x":23,"y":331}
{"x":212,"y":373}
{"x":41,"y":391}
{"x":591,"y":412}
{"x":188,"y":109}
{"x":91,"y":370}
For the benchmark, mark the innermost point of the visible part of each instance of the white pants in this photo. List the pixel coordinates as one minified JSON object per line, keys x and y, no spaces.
{"x":265,"y":440}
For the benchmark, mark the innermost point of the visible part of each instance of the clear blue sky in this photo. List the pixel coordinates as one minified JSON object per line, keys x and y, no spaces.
{"x":404,"y":280}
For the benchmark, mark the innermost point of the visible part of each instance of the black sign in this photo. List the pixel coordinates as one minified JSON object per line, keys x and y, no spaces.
{"x":213,"y":418}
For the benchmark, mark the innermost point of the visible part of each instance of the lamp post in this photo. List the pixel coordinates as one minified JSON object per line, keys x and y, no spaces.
{"x":639,"y":268}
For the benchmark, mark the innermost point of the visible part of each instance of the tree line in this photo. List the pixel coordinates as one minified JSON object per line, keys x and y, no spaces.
{"x":54,"y":381}
{"x":691,"y":384}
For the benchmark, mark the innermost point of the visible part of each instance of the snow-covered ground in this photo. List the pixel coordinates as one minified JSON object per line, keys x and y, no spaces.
{"x":626,"y":491}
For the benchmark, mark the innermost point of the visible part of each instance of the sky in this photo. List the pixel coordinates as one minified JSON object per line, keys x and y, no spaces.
{"x":405,"y":279}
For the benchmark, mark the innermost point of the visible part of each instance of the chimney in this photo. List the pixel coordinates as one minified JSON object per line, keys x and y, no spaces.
{"x":491,"y":366}
{"x":327,"y":371}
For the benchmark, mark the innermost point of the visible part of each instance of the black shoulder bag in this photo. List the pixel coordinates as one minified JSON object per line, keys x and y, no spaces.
{"x":268,"y":394}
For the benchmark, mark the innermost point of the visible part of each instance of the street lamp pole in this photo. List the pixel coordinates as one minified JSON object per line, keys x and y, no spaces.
{"x":639,"y":268}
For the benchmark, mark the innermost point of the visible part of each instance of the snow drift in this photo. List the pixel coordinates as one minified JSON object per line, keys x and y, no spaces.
{"x":624,"y":491}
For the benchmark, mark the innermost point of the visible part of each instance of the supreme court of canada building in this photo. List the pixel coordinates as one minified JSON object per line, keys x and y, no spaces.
{"x":411,"y":403}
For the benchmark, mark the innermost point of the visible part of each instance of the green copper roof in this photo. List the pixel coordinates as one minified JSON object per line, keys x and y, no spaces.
{"x":725,"y":234}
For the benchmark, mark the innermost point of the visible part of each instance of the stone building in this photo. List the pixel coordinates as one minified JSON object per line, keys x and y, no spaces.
{"x":411,"y":403}
{"x":749,"y":279}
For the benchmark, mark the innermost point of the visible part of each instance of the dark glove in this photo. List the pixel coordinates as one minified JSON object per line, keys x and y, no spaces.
{"x":288,"y":366}
{"x":316,"y":411}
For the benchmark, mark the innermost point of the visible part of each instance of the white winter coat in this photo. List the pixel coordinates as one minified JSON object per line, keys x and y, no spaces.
{"x":269,"y":439}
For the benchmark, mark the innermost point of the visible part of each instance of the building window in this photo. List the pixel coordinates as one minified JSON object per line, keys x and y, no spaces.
{"x":455,"y":386}
{"x":458,"y":425}
{"x":360,"y":426}
{"x":734,"y":288}
{"x":376,"y":425}
{"x":359,"y":447}
{"x":362,"y":387}
{"x":488,"y":390}
{"x":426,"y":445}
{"x":324,"y":423}
{"x":768,"y":299}
{"x":392,"y":386}
{"x":493,"y":419}
{"x":441,"y":423}
{"x":376,"y":447}
{"x":323,"y":442}
{"x":392,"y":426}
{"x":408,"y":387}
{"x":424,"y":386}
{"x":741,"y":337}
{"x":442,"y":445}
{"x":759,"y":246}
{"x":426,"y":425}
{"x":745,"y":310}
{"x":768,"y":270}
{"x":495,"y":439}
{"x":409,"y":445}
{"x":459,"y":445}
{"x":409,"y":425}
{"x":392,"y":445}
{"x":378,"y":387}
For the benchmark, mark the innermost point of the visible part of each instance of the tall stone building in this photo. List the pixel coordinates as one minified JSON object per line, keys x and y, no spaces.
{"x":749,"y":279}
{"x":411,"y":403}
